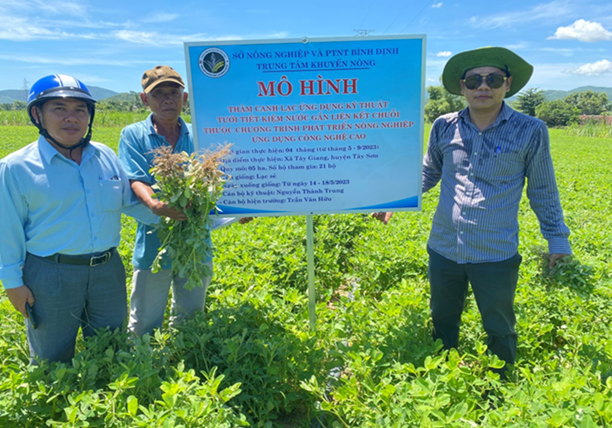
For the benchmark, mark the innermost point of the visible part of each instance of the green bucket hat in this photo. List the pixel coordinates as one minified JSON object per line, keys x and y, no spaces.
{"x":502,"y":58}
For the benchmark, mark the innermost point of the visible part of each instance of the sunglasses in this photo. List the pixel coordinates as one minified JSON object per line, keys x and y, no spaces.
{"x":494,"y":80}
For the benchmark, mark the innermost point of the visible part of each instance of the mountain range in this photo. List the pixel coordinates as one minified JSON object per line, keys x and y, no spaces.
{"x":10,"y":95}
{"x":101,"y":94}
{"x":552,"y":94}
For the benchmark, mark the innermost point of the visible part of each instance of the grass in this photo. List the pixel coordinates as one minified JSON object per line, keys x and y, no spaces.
{"x":104,"y":118}
{"x":590,"y":129}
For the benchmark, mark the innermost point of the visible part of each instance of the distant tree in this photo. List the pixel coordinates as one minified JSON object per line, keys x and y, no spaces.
{"x":557,"y":113}
{"x":126,"y":101}
{"x":19,"y":105}
{"x":528,"y":101}
{"x":589,"y":102}
{"x":441,"y":102}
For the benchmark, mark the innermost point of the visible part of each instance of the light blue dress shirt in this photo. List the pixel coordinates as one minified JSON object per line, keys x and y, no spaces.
{"x":136,"y":146}
{"x":50,"y":204}
{"x":482,"y":175}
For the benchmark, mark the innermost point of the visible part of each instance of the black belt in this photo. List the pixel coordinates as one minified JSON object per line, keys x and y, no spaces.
{"x":85,"y":260}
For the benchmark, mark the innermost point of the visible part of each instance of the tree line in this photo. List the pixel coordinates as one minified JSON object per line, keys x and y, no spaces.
{"x":566,"y":111}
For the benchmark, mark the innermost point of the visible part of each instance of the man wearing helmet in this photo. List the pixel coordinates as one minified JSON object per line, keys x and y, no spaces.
{"x":62,"y":198}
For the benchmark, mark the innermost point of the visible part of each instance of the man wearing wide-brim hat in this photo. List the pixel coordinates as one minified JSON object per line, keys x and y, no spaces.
{"x":482,"y":156}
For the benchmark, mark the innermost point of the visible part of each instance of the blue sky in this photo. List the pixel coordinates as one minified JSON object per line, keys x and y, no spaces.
{"x":109,"y":44}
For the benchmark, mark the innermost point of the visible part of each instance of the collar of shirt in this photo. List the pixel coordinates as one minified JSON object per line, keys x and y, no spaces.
{"x":504,"y":115}
{"x":48,"y":151}
{"x":151,"y":128}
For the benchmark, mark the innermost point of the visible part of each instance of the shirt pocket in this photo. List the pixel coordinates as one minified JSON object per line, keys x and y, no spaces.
{"x":507,"y":167}
{"x":111,"y":195}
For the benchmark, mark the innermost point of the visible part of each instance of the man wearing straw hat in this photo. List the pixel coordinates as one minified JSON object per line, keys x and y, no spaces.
{"x":482,"y":156}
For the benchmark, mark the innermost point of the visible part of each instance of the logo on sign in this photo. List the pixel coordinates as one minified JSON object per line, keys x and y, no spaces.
{"x":214,"y":62}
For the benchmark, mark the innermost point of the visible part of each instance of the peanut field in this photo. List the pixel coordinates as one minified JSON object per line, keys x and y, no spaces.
{"x":252,"y":360}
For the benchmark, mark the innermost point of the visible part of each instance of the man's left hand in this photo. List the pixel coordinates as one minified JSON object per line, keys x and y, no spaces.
{"x":554,"y":257}
{"x":383,"y":217}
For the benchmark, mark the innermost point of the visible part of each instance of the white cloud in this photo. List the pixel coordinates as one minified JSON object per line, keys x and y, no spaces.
{"x":557,"y":76}
{"x":71,"y":61}
{"x":22,"y":30}
{"x":277,"y":35}
{"x":436,"y":5}
{"x":38,"y":7}
{"x":444,"y":54}
{"x":153,"y":38}
{"x":60,"y":7}
{"x":593,"y":69}
{"x":146,"y":38}
{"x":561,"y":51}
{"x":44,"y":20}
{"x":542,"y":13}
{"x":436,"y":63}
{"x":517,"y":46}
{"x":160,"y":17}
{"x":585,"y":31}
{"x":25,"y":21}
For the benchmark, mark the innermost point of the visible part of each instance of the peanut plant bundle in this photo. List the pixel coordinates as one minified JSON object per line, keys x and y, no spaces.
{"x":193,"y":184}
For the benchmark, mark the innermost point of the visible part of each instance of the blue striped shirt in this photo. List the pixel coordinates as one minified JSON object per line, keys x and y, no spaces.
{"x":50,"y":204}
{"x":482,"y":175}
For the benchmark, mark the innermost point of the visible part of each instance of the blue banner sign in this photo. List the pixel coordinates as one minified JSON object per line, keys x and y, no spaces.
{"x":316,"y":125}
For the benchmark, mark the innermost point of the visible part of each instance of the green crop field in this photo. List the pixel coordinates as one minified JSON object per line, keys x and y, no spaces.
{"x":251,"y":359}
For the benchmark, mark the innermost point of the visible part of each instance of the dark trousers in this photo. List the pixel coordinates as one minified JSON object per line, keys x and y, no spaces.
{"x":493,"y":285}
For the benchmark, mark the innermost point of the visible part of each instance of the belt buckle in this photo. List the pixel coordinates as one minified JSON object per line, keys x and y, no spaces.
{"x":100,"y":260}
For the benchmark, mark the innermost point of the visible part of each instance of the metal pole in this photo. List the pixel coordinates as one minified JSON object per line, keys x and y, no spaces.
{"x":311,"y":272}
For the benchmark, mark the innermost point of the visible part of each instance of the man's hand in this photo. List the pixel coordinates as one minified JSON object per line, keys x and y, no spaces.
{"x":554,"y":257}
{"x":163,"y":210}
{"x":382,"y":216}
{"x":144,"y":193}
{"x":18,"y":298}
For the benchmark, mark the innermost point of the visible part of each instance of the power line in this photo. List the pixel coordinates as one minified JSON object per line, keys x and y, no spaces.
{"x":415,"y":16}
{"x":397,"y":16}
{"x":367,"y":13}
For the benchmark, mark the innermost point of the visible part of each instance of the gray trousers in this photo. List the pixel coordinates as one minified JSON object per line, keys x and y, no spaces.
{"x":69,"y":297}
{"x":150,"y":297}
{"x":493,"y":285}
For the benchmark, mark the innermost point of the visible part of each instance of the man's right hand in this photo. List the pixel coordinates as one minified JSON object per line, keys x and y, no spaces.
{"x":19,"y":296}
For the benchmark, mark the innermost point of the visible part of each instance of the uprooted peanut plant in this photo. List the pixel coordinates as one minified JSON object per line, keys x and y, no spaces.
{"x":192,"y":184}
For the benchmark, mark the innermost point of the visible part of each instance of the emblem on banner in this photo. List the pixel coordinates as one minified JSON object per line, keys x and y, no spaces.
{"x":214,"y":62}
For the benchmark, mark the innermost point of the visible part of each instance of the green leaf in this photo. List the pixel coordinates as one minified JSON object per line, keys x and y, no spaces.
{"x":132,"y":405}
